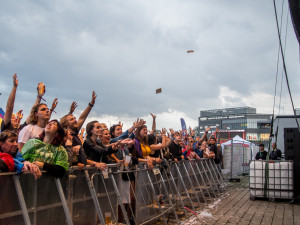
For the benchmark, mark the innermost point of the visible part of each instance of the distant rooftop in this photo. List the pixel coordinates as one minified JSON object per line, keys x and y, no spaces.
{"x":228,"y":111}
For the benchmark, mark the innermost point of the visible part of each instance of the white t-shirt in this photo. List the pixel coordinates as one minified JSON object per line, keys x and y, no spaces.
{"x":30,"y":132}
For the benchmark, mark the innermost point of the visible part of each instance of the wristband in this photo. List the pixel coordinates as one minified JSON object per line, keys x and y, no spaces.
{"x":91,"y":104}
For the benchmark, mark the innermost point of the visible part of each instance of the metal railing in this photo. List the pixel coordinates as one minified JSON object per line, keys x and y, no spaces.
{"x":88,"y":196}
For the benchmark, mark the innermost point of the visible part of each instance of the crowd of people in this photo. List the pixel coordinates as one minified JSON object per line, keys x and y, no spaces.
{"x":44,"y":144}
{"x":41,"y":143}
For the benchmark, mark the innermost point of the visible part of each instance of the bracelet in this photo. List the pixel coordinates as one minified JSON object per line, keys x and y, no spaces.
{"x":94,"y":164}
{"x":91,"y":104}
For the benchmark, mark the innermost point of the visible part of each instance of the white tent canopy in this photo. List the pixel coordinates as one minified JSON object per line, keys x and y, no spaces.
{"x":236,"y":140}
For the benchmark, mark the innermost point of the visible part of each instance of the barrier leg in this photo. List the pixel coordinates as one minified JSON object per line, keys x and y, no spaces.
{"x":107,"y":194}
{"x":139,"y":187}
{"x":21,"y":200}
{"x":207,"y":178}
{"x":203,"y":180}
{"x":192,"y":186}
{"x":94,"y":196}
{"x":63,"y":201}
{"x":214,"y":174}
{"x":176,"y":189}
{"x":168,"y":196}
{"x":184,"y":186}
{"x":198,"y":184}
{"x":120,"y":199}
{"x":155,"y":196}
{"x":215,"y":185}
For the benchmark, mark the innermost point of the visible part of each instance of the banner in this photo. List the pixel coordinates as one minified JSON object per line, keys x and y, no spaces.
{"x":1,"y":115}
{"x":183,"y":125}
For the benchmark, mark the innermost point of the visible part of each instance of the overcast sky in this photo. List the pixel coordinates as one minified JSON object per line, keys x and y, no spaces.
{"x":125,"y":49}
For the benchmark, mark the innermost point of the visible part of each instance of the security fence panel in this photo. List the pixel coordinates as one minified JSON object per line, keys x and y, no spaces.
{"x":79,"y":198}
{"x":89,"y":196}
{"x":10,"y":210}
{"x":236,"y":158}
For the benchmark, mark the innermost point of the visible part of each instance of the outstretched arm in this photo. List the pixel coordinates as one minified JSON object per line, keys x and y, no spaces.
{"x":38,"y":99}
{"x":153,"y":123}
{"x":87,"y":111}
{"x":11,"y":101}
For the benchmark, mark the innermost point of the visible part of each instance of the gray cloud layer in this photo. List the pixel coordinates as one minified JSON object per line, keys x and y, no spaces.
{"x":124,"y":50}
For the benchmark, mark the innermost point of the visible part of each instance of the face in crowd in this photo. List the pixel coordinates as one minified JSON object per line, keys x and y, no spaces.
{"x":72,"y":122}
{"x":10,"y":145}
{"x":204,"y":145}
{"x":51,"y":128}
{"x":143,"y":132}
{"x":118,"y":131}
{"x":212,"y":141}
{"x":97,"y":130}
{"x":14,"y":121}
{"x":43,"y":112}
{"x":261,"y":148}
{"x":106,"y":136}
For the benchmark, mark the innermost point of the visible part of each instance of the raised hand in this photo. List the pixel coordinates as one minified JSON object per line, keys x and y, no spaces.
{"x":54,"y":104}
{"x":73,"y":107}
{"x":120,"y":124}
{"x":94,"y":96}
{"x":153,"y":116}
{"x":15,"y":80}
{"x":20,"y":115}
{"x":207,"y":129}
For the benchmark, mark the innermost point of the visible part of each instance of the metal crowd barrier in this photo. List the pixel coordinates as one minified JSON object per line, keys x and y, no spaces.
{"x":236,"y":158}
{"x":88,"y":196}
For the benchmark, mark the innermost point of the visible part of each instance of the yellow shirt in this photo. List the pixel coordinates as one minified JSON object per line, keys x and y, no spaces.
{"x":145,"y":150}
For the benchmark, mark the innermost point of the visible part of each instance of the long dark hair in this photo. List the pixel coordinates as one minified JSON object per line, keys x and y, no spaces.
{"x":112,"y":130}
{"x":143,"y":140}
{"x":59,"y":136}
{"x":90,"y":127}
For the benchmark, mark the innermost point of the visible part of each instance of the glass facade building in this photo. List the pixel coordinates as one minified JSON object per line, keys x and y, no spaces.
{"x":256,"y":127}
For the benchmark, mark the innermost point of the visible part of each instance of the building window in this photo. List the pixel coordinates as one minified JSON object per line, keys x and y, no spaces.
{"x":252,"y":136}
{"x":264,"y":137}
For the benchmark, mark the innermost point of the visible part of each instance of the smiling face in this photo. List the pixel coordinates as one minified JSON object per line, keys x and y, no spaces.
{"x":10,"y":145}
{"x":143,"y":132}
{"x":118,"y":131}
{"x":106,"y":136}
{"x":97,"y":130}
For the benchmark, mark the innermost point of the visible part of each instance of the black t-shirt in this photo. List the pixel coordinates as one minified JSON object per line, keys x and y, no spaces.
{"x":5,"y":126}
{"x":176,"y":151}
{"x":213,"y":148}
{"x":76,"y":139}
{"x":261,"y":155}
